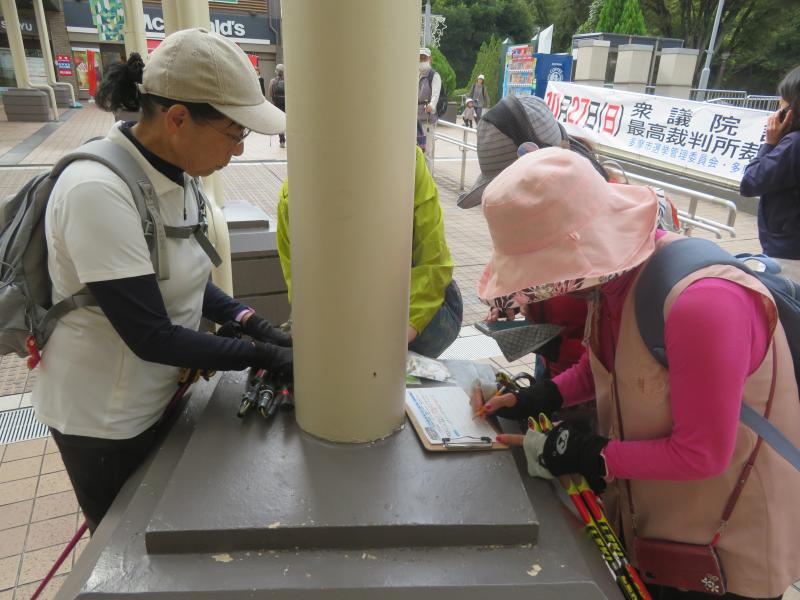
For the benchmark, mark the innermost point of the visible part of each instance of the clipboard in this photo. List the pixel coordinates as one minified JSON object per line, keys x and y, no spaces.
{"x":442,"y":418}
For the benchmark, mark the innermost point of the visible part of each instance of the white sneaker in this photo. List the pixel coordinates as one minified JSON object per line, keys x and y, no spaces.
{"x":283,"y":144}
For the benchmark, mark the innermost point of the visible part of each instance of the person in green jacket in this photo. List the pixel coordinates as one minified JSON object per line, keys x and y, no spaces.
{"x":436,"y":307}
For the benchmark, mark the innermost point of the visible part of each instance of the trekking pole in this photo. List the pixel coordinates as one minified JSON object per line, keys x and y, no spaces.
{"x":56,"y":565}
{"x":184,"y":384}
{"x":598,"y":527}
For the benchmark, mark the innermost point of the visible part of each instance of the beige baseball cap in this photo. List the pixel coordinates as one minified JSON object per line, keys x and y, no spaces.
{"x":197,"y":65}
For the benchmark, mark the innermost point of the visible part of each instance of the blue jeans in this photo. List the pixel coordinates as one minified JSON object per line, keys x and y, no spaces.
{"x":444,"y":327}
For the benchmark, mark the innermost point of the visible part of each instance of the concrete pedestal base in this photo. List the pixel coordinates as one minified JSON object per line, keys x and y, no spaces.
{"x":63,"y":96}
{"x":220,"y":482}
{"x":639,"y":88}
{"x":674,"y":91}
{"x":257,"y":276}
{"x":26,"y":105}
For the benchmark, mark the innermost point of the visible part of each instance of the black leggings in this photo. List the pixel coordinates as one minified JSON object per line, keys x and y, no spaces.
{"x":667,"y":593}
{"x":98,"y":468}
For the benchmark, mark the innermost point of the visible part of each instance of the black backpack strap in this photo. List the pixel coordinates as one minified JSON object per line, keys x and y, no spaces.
{"x":663,"y":271}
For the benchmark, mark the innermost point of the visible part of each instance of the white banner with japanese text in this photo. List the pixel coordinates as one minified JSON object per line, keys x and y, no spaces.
{"x":687,"y":136}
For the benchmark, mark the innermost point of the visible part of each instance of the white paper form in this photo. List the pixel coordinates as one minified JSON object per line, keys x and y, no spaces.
{"x":444,"y":412}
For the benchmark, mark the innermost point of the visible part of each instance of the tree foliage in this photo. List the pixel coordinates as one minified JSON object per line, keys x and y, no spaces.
{"x":632,"y":20}
{"x":442,"y":66}
{"x":590,"y":24}
{"x":610,"y":15}
{"x":757,"y":40}
{"x":470,"y":23}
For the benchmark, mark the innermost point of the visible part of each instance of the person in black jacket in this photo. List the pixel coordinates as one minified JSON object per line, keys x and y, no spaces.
{"x":774,"y":174}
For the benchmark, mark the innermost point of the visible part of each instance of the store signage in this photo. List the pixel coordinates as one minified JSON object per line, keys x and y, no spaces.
{"x":710,"y":139}
{"x":64,"y":65}
{"x":249,"y":27}
{"x":26,"y":26}
{"x":154,"y":23}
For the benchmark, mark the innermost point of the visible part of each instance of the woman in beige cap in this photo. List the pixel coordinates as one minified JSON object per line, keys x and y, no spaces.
{"x":109,"y":370}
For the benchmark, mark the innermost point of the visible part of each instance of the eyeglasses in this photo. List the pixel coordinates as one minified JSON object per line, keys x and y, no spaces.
{"x":236,"y":139}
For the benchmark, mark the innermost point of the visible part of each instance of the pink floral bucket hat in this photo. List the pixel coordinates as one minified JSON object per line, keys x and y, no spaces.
{"x":557,"y":227}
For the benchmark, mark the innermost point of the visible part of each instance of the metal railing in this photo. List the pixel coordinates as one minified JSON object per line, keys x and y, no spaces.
{"x":689,"y":219}
{"x":463,"y":144}
{"x":707,"y":95}
{"x":769,"y":103}
{"x":756,"y":102}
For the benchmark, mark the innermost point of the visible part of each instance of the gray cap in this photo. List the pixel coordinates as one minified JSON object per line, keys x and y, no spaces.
{"x":496,"y":150}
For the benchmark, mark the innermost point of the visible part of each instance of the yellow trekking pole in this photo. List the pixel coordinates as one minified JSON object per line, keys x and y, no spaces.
{"x":598,"y":529}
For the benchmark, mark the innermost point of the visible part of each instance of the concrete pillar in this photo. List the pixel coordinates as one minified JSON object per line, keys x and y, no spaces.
{"x":351,"y":211}
{"x":633,"y":67}
{"x":61,"y":94}
{"x":135,"y":40}
{"x":25,"y":102}
{"x":676,"y":72}
{"x":591,"y":62}
{"x":184,"y":14}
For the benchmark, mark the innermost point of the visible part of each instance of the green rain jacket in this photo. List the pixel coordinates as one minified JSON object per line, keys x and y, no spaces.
{"x":431,"y":264}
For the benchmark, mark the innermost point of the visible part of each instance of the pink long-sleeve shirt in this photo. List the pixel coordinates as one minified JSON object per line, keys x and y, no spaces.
{"x":716,"y":335}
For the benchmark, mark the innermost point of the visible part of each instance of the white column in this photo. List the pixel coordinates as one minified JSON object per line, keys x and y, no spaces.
{"x":183,"y":14}
{"x":351,"y":182}
{"x":47,"y":57}
{"x":135,"y":40}
{"x":591,"y":62}
{"x":676,"y":72}
{"x":15,"y":43}
{"x":633,"y":67}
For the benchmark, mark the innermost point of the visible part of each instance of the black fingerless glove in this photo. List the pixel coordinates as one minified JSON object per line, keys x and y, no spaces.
{"x":542,"y":397}
{"x":260,"y":330}
{"x":568,"y":450}
{"x":275,"y":359}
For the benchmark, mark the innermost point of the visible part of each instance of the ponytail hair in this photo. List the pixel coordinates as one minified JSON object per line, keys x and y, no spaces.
{"x":118,"y":89}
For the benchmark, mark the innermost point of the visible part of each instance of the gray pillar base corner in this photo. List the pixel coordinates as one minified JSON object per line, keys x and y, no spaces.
{"x":230,"y":508}
{"x":257,"y":275}
{"x":32,"y":105}
{"x":63,"y":95}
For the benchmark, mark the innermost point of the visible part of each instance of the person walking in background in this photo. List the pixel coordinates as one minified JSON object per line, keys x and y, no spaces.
{"x":469,"y":113}
{"x":480,"y":96}
{"x":276,"y":93}
{"x":261,"y":81}
{"x":430,"y":86}
{"x":774,"y":174}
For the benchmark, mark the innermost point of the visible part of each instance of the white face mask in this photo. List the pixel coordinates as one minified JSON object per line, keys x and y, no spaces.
{"x":424,"y":65}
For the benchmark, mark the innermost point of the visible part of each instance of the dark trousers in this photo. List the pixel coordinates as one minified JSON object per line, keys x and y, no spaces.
{"x":98,"y":468}
{"x":667,"y":593}
{"x":282,"y":105}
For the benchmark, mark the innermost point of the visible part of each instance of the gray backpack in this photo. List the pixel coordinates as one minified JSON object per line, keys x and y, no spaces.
{"x":27,"y":314}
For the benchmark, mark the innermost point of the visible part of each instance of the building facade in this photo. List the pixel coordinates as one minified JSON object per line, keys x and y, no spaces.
{"x":81,"y":30}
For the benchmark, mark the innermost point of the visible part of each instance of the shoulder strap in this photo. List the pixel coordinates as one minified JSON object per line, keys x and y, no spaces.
{"x":664,"y":270}
{"x":124,"y":165}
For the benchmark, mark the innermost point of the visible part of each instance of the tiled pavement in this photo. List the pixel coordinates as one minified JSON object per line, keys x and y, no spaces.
{"x":38,"y":511}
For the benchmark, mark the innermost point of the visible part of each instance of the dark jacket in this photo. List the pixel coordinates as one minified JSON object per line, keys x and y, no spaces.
{"x":774,"y":174}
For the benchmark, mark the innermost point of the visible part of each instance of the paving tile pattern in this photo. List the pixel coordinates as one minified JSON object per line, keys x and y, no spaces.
{"x":38,"y":516}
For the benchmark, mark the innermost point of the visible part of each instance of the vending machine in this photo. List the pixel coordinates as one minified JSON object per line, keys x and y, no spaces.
{"x":526,"y":72}
{"x":518,"y":76}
